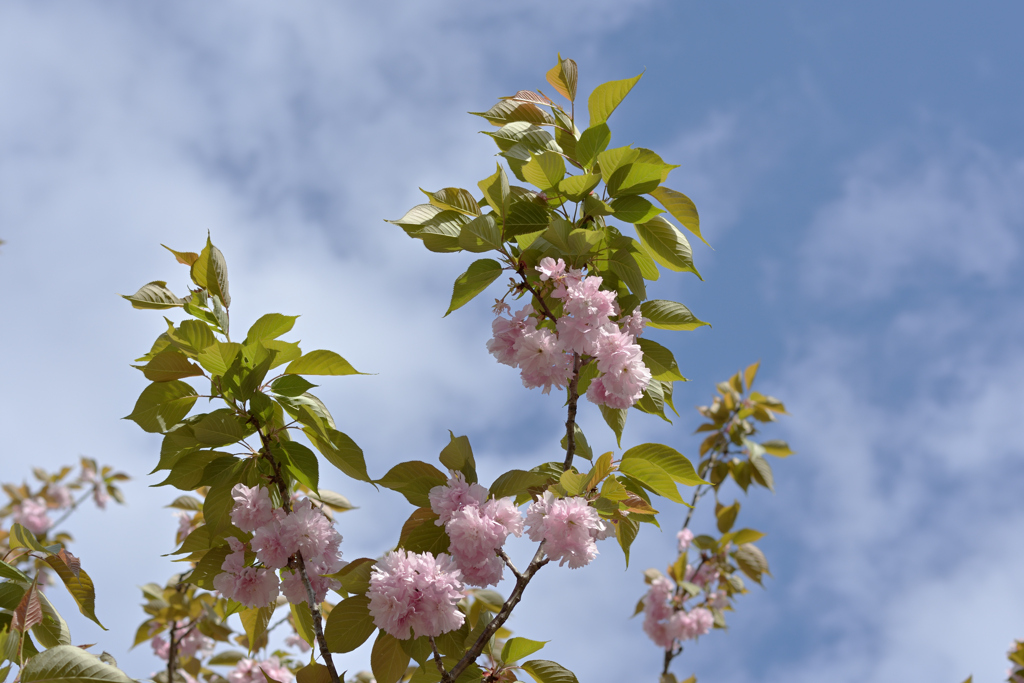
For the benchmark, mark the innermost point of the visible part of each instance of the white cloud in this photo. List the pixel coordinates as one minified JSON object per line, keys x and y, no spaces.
{"x":902,"y":224}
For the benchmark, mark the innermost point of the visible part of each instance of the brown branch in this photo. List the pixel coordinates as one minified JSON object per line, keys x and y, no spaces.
{"x":172,"y":651}
{"x":437,"y":659}
{"x":297,"y":563}
{"x":530,"y":288}
{"x":500,"y":618}
{"x":570,"y":422}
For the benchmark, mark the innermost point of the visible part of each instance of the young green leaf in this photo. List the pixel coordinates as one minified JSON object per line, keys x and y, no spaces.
{"x":517,"y":648}
{"x":669,"y":315}
{"x":476,"y":279}
{"x":666,"y":244}
{"x":606,"y":97}
{"x":162,"y":405}
{"x":321,"y":362}
{"x":388,"y":660}
{"x":544,"y":671}
{"x":70,"y":664}
{"x":349,"y":624}
{"x":682,"y":209}
{"x":154,"y":295}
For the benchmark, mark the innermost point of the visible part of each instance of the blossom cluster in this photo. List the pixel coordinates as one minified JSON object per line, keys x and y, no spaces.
{"x":477,"y":528}
{"x":252,"y":671}
{"x":569,"y":528}
{"x":192,"y":642}
{"x":664,"y":623}
{"x":277,"y":538}
{"x":545,"y":357}
{"x":415,"y":592}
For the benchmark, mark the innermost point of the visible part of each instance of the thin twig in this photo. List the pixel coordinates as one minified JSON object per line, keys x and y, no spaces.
{"x":437,"y":659}
{"x":508,"y":563}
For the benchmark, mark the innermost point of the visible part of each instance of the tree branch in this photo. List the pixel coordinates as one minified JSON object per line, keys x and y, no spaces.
{"x":500,"y":618}
{"x":298,"y":564}
{"x":570,"y":422}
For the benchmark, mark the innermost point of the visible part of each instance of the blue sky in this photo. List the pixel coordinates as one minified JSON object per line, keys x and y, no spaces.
{"x":859,"y":170}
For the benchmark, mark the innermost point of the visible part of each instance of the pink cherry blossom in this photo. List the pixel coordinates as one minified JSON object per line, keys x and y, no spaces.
{"x":455,"y":495}
{"x":415,"y":593}
{"x":474,"y":537}
{"x":504,"y":512}
{"x":550,"y":269}
{"x":297,"y":641}
{"x":658,"y":613}
{"x":161,"y":648}
{"x":295,"y":591}
{"x":489,"y":572}
{"x":61,"y":496}
{"x":252,"y":507}
{"x":235,"y":561}
{"x":252,"y":671}
{"x":31,"y":514}
{"x":568,"y":527}
{"x":684,"y":538}
{"x":252,"y":587}
{"x":541,"y":358}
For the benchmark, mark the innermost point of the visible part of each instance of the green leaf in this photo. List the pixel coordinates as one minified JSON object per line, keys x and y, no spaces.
{"x":313,"y":672}
{"x":744,"y":536}
{"x":70,"y":664}
{"x":162,"y":405}
{"x":545,"y":170}
{"x":291,"y":385}
{"x":481,"y":234}
{"x":154,"y":295}
{"x":622,"y":263}
{"x":616,"y":419}
{"x":563,"y":78}
{"x":517,"y":648}
{"x":576,"y":187}
{"x":634,"y":209}
{"x":210,"y":271}
{"x":349,"y":624}
{"x":626,"y":529}
{"x":751,"y":561}
{"x":726,"y":516}
{"x":187,"y":473}
{"x":669,"y":315}
{"x":652,"y":401}
{"x":496,"y":191}
{"x":321,"y":363}
{"x":413,"y":479}
{"x":11,"y":572}
{"x":666,"y":244}
{"x":592,"y":142}
{"x":507,"y":111}
{"x":454,"y":199}
{"x":761,"y":471}
{"x":20,"y":537}
{"x":635,"y":178}
{"x":388,"y":660}
{"x":270,"y":326}
{"x":167,"y":365}
{"x":420,"y":534}
{"x":544,"y":671}
{"x":342,"y":452}
{"x":660,"y":361}
{"x":220,"y":428}
{"x":476,"y":279}
{"x":611,"y":160}
{"x":255,"y":621}
{"x":682,"y":209}
{"x":518,"y":140}
{"x":515,"y":482}
{"x":668,"y":459}
{"x":458,"y":456}
{"x":183,"y":257}
{"x":653,"y":477}
{"x":417,"y":648}
{"x":355,"y":576}
{"x":218,"y":356}
{"x":302,"y":463}
{"x":525,"y":216}
{"x":583,"y":449}
{"x":79,"y":584}
{"x":776,"y":447}
{"x":606,"y":97}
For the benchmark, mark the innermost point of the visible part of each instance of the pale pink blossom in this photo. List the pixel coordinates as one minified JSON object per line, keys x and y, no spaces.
{"x":161,"y":648}
{"x":719,"y":599}
{"x":194,"y":642}
{"x":185,"y":526}
{"x":707,"y":573}
{"x":415,"y":593}
{"x":542,"y":360}
{"x":252,"y":587}
{"x":295,"y":591}
{"x":31,"y":514}
{"x":633,"y":324}
{"x":252,"y":671}
{"x":696,"y":623}
{"x":658,"y":613}
{"x":252,"y":507}
{"x":550,"y":269}
{"x":61,"y":497}
{"x":314,"y":536}
{"x":297,"y":641}
{"x":568,"y":527}
{"x":505,"y":334}
{"x":235,"y":561}
{"x":624,"y":375}
{"x":455,"y":495}
{"x":100,"y":495}
{"x":489,"y":572}
{"x":684,"y":538}
{"x":504,"y":512}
